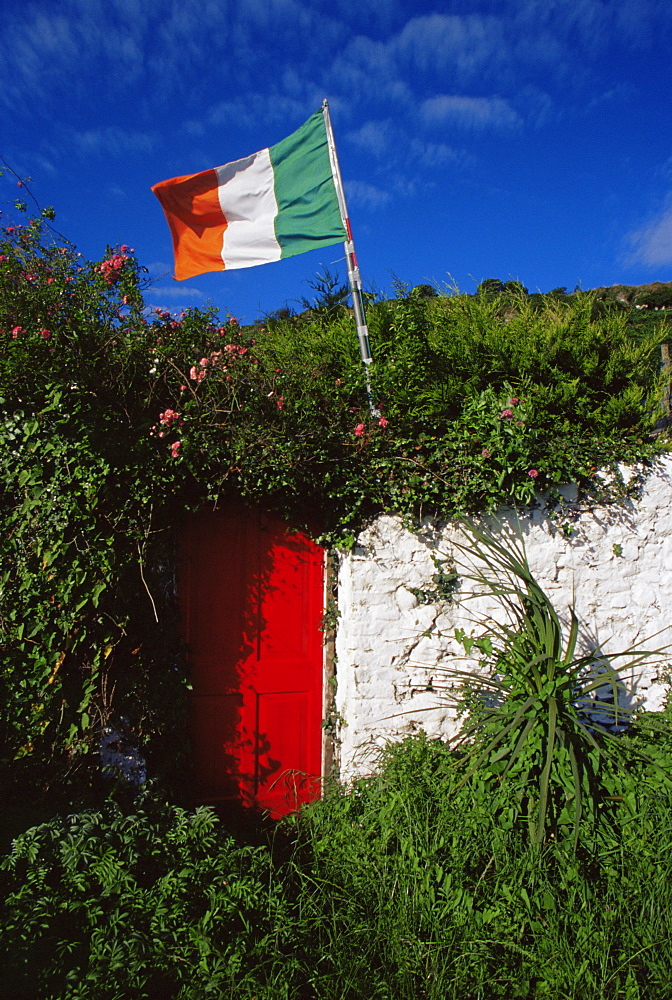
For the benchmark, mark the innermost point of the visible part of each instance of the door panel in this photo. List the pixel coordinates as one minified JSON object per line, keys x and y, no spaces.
{"x":251,"y":595}
{"x":216,"y":763}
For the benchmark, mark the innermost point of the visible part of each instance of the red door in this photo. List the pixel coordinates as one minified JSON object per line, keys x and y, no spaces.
{"x":252,"y":601}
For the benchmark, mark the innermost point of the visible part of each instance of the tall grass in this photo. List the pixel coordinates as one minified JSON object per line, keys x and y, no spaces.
{"x":418,"y":892}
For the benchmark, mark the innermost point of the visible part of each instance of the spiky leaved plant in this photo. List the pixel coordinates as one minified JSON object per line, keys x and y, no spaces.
{"x":542,"y":733}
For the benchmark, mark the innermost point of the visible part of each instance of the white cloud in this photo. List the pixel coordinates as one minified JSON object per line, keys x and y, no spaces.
{"x":469,"y":112}
{"x":591,"y":24}
{"x":652,"y":244}
{"x":177,"y":292}
{"x":373,"y":136}
{"x":436,"y":154}
{"x":464,"y":44}
{"x":115,"y":140}
{"x":365,"y":195}
{"x":251,"y":110}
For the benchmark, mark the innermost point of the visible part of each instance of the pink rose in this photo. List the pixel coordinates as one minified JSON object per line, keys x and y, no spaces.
{"x":383,"y":422}
{"x":533,"y":473}
{"x":359,"y":430}
{"x":506,"y":414}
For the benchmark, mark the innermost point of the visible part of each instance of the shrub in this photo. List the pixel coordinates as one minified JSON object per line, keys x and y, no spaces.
{"x":156,"y":902}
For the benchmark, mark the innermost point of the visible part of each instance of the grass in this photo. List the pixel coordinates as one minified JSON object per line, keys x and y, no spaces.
{"x":418,"y":892}
{"x":401,"y":887}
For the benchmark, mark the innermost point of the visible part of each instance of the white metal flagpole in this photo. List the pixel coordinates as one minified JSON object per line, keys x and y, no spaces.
{"x":351,"y":257}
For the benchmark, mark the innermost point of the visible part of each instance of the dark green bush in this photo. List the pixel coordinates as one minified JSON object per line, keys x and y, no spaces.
{"x":156,"y":902}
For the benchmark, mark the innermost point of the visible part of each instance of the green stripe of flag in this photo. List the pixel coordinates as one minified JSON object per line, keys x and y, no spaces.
{"x":305,"y":191}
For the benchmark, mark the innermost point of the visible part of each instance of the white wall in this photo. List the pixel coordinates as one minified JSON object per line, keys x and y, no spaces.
{"x":391,"y":648}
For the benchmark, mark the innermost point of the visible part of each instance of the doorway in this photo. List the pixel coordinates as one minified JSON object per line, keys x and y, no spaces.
{"x":252,"y":601}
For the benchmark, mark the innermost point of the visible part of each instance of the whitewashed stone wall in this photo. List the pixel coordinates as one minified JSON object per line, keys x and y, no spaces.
{"x":393,"y":650}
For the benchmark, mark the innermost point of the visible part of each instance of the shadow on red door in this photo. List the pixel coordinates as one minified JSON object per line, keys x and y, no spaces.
{"x":251,"y":596}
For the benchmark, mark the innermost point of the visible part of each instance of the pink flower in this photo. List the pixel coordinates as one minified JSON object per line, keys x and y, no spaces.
{"x":168,"y":417}
{"x":280,"y":402}
{"x":486,"y":453}
{"x":513,"y":401}
{"x":175,"y":448}
{"x":233,"y":321}
{"x":533,"y":473}
{"x":359,"y":430}
{"x":111,"y":269}
{"x":45,"y":334}
{"x":16,"y":331}
{"x":506,"y":414}
{"x":383,"y":422}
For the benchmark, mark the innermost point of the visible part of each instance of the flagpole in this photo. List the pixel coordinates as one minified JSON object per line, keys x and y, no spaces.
{"x":350,"y":257}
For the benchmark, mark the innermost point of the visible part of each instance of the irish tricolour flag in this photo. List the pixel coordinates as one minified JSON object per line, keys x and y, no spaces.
{"x":276,"y":203}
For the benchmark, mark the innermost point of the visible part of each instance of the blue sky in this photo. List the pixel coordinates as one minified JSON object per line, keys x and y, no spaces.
{"x":527,"y":139}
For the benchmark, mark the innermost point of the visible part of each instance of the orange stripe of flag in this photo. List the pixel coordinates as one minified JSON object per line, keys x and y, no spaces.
{"x":197,"y":223}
